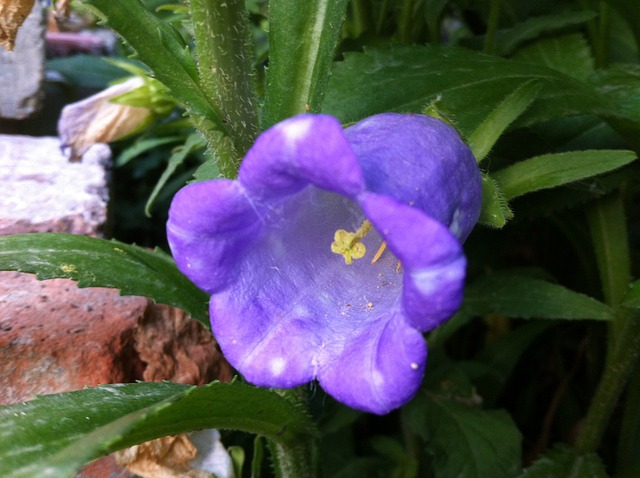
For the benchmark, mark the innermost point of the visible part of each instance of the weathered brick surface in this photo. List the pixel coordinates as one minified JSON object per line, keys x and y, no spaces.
{"x":55,"y":337}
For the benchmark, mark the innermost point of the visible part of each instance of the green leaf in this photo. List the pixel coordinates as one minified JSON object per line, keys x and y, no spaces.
{"x":520,"y":296}
{"x":302,"y":40}
{"x":55,"y":435}
{"x":569,"y":54}
{"x":505,"y":353}
{"x":465,"y":441}
{"x":630,"y":11}
{"x":194,"y":141}
{"x":403,"y":464}
{"x":497,"y":122}
{"x":142,"y":146}
{"x":495,"y":211}
{"x":469,"y":84}
{"x":552,"y":170}
{"x":621,"y":83}
{"x":100,"y":263}
{"x":632,"y":297}
{"x":565,"y":462}
{"x":509,"y":39}
{"x":433,"y":10}
{"x":88,"y":71}
{"x":577,"y":194}
{"x":207,"y":170}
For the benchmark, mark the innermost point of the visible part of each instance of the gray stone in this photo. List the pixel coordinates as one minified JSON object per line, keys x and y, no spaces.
{"x":43,"y":192}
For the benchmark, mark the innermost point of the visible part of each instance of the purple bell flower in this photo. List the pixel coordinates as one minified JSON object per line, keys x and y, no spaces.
{"x":333,"y":251}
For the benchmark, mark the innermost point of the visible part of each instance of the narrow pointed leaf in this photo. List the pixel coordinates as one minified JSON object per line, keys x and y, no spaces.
{"x":510,"y":39}
{"x":142,"y":146}
{"x":552,"y":170}
{"x":55,"y":435}
{"x":520,"y":296}
{"x":194,"y":141}
{"x":302,"y":41}
{"x":497,"y":122}
{"x":100,"y":263}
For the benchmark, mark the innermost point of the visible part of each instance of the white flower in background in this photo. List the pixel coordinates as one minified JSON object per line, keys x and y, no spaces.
{"x":120,"y":110}
{"x":196,"y":455}
{"x":212,"y":456}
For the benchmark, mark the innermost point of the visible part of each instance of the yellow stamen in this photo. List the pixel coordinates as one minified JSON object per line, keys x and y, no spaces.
{"x":348,"y":244}
{"x":378,"y":254}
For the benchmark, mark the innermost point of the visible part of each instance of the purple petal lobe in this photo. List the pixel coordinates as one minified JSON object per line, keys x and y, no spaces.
{"x":420,"y":160}
{"x":380,"y":369}
{"x":431,"y":255}
{"x":211,"y":225}
{"x":271,"y":353}
{"x":298,"y":151}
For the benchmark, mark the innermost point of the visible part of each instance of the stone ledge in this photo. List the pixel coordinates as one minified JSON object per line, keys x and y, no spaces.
{"x":44,"y":192}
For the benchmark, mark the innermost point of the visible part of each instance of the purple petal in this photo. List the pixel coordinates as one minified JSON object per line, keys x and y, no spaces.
{"x":431,"y":255}
{"x":268,"y":352}
{"x":420,"y":160}
{"x":211,"y":225}
{"x":378,"y":370}
{"x":298,"y":151}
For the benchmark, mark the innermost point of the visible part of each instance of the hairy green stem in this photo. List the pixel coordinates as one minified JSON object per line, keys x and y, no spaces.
{"x":383,"y":12}
{"x":628,"y":457}
{"x":165,"y":52}
{"x":405,"y":21}
{"x":490,"y":45}
{"x":618,"y":368}
{"x":601,"y":39}
{"x":609,"y":236}
{"x":225,"y":68}
{"x":607,"y":223}
{"x":360,"y":17}
{"x":224,"y":152}
{"x":295,"y":460}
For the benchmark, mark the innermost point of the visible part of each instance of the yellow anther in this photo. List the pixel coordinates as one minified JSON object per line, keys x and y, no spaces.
{"x":348,"y":244}
{"x":377,"y":255}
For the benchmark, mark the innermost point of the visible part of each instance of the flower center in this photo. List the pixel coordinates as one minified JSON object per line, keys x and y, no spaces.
{"x":349,"y":244}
